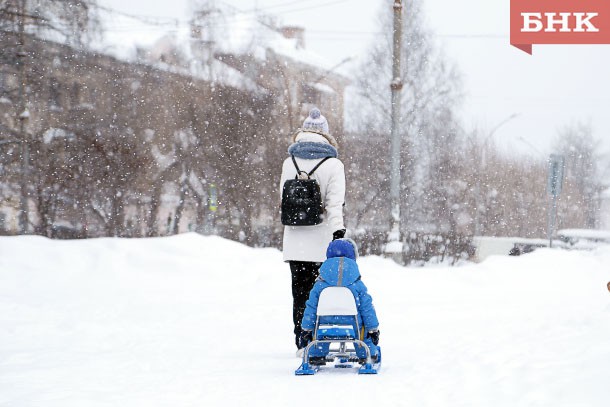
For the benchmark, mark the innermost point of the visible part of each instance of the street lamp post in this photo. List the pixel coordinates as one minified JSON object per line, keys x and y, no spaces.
{"x":531,"y":146}
{"x":331,"y":70}
{"x":477,"y":229}
{"x":492,"y":132}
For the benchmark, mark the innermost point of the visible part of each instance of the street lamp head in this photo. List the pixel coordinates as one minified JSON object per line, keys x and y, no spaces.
{"x":497,"y":126}
{"x":332,"y":69}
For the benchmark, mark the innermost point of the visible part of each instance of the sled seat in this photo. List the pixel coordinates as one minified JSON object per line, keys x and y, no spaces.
{"x":336,"y":304}
{"x":336,"y":309}
{"x":336,"y":301}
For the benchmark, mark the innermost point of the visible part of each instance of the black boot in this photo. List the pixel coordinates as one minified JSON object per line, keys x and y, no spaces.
{"x":317,"y":360}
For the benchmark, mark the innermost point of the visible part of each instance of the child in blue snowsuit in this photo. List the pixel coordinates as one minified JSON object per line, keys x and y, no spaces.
{"x":340,"y":269}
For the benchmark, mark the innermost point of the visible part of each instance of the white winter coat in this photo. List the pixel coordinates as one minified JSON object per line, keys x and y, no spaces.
{"x":309,"y":243}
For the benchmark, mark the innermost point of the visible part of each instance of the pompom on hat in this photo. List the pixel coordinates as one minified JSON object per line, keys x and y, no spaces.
{"x":315,"y":121}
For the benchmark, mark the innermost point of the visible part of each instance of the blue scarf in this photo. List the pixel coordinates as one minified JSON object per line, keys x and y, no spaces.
{"x":311,"y":150}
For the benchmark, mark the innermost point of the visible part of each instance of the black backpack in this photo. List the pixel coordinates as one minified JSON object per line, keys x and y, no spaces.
{"x":301,"y":199}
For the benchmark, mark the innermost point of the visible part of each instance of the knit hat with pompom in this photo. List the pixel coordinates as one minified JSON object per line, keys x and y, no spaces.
{"x":315,"y":121}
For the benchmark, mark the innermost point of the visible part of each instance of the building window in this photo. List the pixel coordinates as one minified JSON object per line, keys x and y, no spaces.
{"x":5,"y":87}
{"x":2,"y":84}
{"x":311,"y":95}
{"x":54,"y":94}
{"x":75,"y":95}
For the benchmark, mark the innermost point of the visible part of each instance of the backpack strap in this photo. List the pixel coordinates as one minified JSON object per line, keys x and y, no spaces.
{"x":317,"y":165}
{"x":310,"y":173}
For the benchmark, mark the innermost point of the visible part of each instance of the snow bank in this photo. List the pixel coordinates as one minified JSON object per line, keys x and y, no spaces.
{"x":201,"y":321}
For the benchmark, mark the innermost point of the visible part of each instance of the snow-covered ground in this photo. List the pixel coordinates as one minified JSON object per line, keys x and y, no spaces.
{"x":201,"y":321}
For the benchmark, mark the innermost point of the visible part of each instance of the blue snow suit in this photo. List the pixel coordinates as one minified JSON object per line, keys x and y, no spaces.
{"x":342,"y":271}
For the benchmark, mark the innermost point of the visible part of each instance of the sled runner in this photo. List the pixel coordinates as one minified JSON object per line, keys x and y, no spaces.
{"x":337,"y":323}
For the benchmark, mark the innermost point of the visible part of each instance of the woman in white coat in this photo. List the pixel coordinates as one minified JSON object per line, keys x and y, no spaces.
{"x":304,"y":247}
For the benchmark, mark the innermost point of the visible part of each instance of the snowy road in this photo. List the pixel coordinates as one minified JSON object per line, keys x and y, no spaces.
{"x":201,"y":321}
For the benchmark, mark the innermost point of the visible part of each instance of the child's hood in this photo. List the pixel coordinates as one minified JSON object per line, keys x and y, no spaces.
{"x":339,"y":271}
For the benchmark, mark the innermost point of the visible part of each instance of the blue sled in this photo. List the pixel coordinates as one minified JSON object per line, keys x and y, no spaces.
{"x":337,"y":322}
{"x":341,"y":360}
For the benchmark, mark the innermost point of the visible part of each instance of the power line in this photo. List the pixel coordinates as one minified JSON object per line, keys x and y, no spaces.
{"x":321,"y":5}
{"x":315,"y":7}
{"x":331,"y":35}
{"x":155,"y":20}
{"x":471,"y":36}
{"x":275,"y":6}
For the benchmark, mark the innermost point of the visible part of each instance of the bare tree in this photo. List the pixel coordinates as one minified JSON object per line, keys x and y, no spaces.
{"x":244,"y":160}
{"x":71,"y":22}
{"x":429,"y":128}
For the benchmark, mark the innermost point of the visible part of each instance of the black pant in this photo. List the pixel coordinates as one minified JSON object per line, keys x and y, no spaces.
{"x":304,"y":274}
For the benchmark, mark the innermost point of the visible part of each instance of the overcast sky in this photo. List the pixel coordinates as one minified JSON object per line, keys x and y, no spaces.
{"x":556,"y":86}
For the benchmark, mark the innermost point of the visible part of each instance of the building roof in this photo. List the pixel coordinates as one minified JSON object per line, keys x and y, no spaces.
{"x":225,"y":31}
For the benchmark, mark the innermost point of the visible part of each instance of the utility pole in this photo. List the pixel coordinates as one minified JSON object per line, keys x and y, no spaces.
{"x":22,"y":116}
{"x":394,"y":246}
